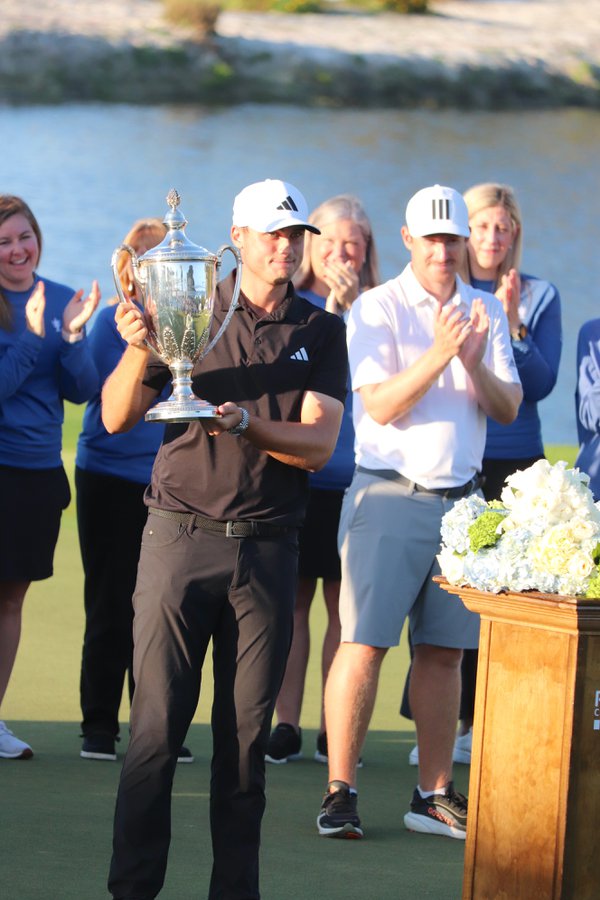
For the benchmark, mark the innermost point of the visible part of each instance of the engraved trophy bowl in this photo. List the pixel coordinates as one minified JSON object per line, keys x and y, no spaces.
{"x":177,"y":281}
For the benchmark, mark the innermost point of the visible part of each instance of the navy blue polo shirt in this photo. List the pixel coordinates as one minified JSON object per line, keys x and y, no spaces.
{"x":265,"y":365}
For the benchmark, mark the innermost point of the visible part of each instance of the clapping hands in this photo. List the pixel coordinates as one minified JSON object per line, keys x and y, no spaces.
{"x":509,"y":293}
{"x":79,"y":310}
{"x":342,"y":281}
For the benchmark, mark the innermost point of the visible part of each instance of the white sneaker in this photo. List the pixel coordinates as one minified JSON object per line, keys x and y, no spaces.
{"x":462,"y":748}
{"x":460,"y":754}
{"x":11,"y":747}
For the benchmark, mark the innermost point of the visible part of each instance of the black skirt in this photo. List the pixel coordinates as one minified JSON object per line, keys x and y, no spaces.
{"x":319,"y":557}
{"x":31,"y":504}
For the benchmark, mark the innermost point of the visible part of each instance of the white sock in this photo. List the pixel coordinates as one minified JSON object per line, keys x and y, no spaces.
{"x":426,"y":794}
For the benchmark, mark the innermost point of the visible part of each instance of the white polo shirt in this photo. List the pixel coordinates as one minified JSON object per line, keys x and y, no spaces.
{"x":439,"y":443}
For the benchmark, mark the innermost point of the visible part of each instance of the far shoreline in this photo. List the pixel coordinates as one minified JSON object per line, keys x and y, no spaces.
{"x":480,"y":54}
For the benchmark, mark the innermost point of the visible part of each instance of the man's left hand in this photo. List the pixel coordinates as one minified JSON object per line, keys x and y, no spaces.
{"x":79,"y":310}
{"x":472,"y":351}
{"x":230,"y":415}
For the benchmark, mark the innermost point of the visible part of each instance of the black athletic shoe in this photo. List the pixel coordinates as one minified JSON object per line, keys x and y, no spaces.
{"x":285,"y":744}
{"x":444,"y":814}
{"x":338,"y":817}
{"x":321,"y":753}
{"x":98,"y":746}
{"x":185,"y":755}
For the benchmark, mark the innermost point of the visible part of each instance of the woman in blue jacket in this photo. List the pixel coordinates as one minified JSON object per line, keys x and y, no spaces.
{"x":337,"y":265}
{"x":532,"y":307}
{"x":111,"y":474}
{"x":44,"y":360}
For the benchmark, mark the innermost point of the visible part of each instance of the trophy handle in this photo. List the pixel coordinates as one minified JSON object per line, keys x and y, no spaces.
{"x":236,"y":291}
{"x":113,"y":264}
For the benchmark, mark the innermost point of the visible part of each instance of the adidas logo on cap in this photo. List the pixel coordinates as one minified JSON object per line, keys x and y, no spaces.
{"x":437,"y":210}
{"x":260,"y":207}
{"x":288,"y":203}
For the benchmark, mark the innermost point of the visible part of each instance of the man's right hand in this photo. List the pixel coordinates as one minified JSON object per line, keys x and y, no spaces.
{"x":34,"y":310}
{"x":130,"y":323}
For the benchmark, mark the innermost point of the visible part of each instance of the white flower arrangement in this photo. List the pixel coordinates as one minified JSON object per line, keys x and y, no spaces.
{"x":543,"y":535}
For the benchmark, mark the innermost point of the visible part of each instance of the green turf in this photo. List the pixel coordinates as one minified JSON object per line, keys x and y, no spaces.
{"x":57,"y":809}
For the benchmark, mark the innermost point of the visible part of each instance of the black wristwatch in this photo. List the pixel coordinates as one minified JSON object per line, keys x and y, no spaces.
{"x":519,"y":334}
{"x":243,"y":423}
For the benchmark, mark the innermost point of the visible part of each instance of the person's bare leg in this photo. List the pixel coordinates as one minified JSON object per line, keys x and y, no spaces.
{"x":12,"y":595}
{"x":289,"y":701}
{"x":350,"y":695}
{"x":331,"y":640}
{"x":434,"y":700}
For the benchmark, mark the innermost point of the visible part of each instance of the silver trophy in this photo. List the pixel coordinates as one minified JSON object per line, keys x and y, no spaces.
{"x":177,"y":282}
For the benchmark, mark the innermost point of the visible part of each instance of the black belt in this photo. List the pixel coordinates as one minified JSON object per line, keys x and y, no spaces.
{"x":452,"y":493}
{"x":237,"y":528}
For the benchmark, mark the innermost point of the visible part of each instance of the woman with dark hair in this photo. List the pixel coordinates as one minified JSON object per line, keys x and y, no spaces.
{"x":44,"y":360}
{"x":337,"y":265}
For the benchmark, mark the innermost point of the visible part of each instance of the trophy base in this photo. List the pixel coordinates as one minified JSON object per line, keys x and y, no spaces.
{"x":174,"y":411}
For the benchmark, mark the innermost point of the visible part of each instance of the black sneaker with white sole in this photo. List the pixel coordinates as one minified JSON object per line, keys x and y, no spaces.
{"x":98,"y":746}
{"x":322,"y":752}
{"x":444,"y":814}
{"x":338,"y":817}
{"x":285,"y":744}
{"x":185,"y":755}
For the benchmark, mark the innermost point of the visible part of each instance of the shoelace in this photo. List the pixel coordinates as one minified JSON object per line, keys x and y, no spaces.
{"x":458,"y":800}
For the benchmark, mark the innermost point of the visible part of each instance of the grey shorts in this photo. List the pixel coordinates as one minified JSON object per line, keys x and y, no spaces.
{"x":389,"y":537}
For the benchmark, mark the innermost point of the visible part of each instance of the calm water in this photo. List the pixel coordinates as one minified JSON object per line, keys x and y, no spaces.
{"x":89,"y":171}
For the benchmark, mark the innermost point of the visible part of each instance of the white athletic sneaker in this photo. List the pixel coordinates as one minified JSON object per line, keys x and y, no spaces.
{"x":11,"y":747}
{"x":460,"y":754}
{"x":462,"y":748}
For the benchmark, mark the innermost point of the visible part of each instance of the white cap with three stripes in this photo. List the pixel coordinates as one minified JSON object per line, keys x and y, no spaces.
{"x":437,"y":210}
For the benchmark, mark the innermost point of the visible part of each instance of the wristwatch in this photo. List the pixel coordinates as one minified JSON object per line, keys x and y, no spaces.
{"x":520,"y":333}
{"x":243,"y":423}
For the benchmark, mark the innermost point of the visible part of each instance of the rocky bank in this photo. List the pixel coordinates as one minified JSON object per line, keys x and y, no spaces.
{"x":494,"y":54}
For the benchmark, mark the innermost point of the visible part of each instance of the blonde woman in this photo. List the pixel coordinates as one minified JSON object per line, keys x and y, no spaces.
{"x":337,"y":265}
{"x":532,"y":307}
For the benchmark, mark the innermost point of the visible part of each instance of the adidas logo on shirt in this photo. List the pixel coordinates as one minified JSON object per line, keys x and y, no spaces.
{"x":288,"y":203}
{"x":301,"y":355}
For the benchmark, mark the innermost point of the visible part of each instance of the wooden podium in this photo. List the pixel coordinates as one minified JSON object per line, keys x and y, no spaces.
{"x":534,"y":791}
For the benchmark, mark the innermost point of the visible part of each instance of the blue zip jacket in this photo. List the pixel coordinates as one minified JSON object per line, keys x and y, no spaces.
{"x":337,"y":473}
{"x":537,"y":357}
{"x":36,"y":376}
{"x":129,"y":455}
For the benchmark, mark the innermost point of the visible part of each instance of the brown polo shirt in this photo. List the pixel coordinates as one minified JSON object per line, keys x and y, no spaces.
{"x":265,"y":365}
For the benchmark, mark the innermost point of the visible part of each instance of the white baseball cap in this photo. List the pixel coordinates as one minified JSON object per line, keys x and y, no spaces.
{"x":437,"y":210}
{"x":270,"y":205}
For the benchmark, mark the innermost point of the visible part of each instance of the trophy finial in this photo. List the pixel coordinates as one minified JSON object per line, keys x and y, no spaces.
{"x":173,"y":199}
{"x":174,"y":220}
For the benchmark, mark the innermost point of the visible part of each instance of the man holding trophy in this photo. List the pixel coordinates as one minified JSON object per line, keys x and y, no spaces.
{"x":219,"y":550}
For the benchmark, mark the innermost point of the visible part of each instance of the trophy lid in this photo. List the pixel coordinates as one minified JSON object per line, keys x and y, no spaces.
{"x":176,"y":245}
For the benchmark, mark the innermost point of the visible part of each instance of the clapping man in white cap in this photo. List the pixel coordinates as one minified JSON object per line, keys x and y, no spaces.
{"x":430,"y":358}
{"x":219,"y":550}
